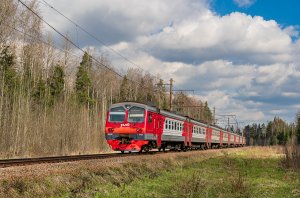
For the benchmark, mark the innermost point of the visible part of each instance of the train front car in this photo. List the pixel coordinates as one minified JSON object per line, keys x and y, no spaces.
{"x":125,"y":127}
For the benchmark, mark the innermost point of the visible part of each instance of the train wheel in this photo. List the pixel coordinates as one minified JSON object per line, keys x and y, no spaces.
{"x":146,"y":148}
{"x":122,"y":152}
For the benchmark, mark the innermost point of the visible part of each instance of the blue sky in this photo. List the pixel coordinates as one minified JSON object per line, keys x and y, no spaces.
{"x":242,"y":56}
{"x":285,"y":12}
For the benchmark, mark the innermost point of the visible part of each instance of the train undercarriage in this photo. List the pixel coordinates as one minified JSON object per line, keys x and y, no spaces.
{"x":128,"y":144}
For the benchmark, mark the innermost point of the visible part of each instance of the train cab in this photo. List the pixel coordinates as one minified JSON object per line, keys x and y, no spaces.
{"x":126,"y":126}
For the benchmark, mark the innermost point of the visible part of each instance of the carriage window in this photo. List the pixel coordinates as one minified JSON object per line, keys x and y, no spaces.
{"x":149,"y":117}
{"x":136,"y":114}
{"x":117,"y":114}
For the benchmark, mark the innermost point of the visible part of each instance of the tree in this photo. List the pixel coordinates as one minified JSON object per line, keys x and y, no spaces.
{"x":141,"y":93}
{"x":124,"y":89}
{"x":8,"y":12}
{"x":282,"y":138}
{"x":207,"y":113}
{"x":56,"y":82}
{"x":161,"y":95}
{"x":7,"y":70}
{"x":269,"y":131}
{"x":298,"y":129}
{"x":39,"y":93}
{"x":83,"y":82}
{"x":87,"y":61}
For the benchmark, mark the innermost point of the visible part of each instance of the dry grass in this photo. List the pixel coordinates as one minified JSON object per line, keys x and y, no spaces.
{"x":292,"y":156}
{"x":73,"y":178}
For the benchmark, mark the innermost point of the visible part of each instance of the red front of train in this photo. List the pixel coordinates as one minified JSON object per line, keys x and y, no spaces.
{"x":130,"y":128}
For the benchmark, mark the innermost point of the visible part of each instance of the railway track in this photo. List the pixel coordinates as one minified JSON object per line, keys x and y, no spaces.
{"x":29,"y":161}
{"x":57,"y":159}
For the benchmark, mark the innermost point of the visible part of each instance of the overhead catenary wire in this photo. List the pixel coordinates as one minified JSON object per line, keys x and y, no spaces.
{"x":91,"y":35}
{"x":39,"y":39}
{"x":66,"y":38}
{"x":78,"y":47}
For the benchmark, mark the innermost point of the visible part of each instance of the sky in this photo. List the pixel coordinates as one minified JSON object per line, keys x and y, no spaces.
{"x":239,"y":55}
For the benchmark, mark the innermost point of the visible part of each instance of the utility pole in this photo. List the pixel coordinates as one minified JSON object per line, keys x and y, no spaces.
{"x":171,"y":90}
{"x":228,"y":124}
{"x":171,"y":93}
{"x":214,"y":116}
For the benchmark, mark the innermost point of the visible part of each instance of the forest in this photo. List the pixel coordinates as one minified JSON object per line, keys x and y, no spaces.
{"x":54,"y":99}
{"x":275,"y":132}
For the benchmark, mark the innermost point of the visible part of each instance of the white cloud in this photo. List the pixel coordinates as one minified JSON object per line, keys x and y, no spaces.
{"x":291,"y":94}
{"x":244,"y":3}
{"x":237,"y":37}
{"x":241,"y":64}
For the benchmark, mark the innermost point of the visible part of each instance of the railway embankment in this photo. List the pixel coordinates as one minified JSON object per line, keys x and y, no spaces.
{"x":235,"y":172}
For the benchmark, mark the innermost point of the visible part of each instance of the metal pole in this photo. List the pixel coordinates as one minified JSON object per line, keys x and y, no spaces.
{"x":228,"y":125}
{"x":214,"y":116}
{"x":171,"y":92}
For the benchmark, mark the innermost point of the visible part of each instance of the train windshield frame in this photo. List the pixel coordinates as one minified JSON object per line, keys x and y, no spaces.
{"x":136,"y":114}
{"x":117,"y":114}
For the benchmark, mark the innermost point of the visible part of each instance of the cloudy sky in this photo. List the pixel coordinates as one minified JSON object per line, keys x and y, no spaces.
{"x":239,"y":55}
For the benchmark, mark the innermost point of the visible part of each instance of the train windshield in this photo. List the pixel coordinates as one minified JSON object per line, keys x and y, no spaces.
{"x":117,"y":114}
{"x":136,"y":114}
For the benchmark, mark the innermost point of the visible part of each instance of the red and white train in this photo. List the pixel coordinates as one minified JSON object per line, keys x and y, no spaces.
{"x":138,"y":127}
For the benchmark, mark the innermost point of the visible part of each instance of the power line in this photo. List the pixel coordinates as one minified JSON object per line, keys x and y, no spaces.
{"x":75,"y":45}
{"x":67,"y":39}
{"x":91,"y":35}
{"x":39,"y":39}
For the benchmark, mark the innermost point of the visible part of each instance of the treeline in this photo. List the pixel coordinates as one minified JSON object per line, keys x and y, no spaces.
{"x":193,"y":108}
{"x":276,"y":132}
{"x":54,"y":101}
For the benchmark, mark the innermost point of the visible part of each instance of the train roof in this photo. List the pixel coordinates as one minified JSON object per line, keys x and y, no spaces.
{"x":167,"y":113}
{"x":148,"y":107}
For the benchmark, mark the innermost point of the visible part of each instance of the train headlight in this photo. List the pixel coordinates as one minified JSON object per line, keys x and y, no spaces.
{"x":138,"y":130}
{"x":110,"y":130}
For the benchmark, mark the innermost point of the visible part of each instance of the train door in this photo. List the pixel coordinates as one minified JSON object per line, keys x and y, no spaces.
{"x":158,"y":125}
{"x":208,"y":137}
{"x":150,"y":123}
{"x":186,"y":132}
{"x":234,"y":140}
{"x":221,"y":138}
{"x":190,"y":132}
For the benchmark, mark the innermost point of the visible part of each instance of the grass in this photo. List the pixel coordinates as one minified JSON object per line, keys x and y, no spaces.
{"x":251,"y":172}
{"x":235,"y":175}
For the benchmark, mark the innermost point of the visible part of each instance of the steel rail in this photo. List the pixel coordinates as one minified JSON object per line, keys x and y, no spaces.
{"x":4,"y":163}
{"x":56,"y":159}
